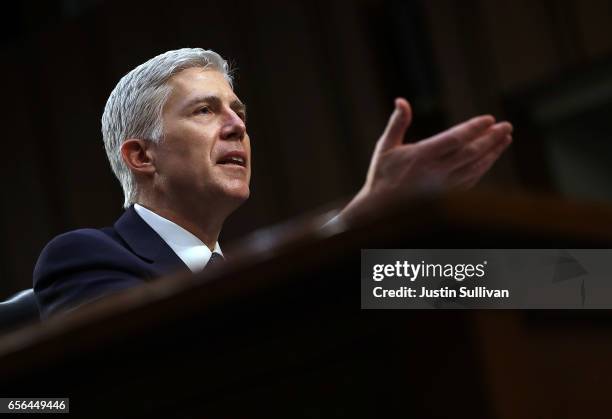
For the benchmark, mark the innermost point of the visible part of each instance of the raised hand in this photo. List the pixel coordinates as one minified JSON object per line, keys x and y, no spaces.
{"x":454,"y":159}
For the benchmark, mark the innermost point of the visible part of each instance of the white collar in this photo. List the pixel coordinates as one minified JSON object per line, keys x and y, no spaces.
{"x":187,"y":247}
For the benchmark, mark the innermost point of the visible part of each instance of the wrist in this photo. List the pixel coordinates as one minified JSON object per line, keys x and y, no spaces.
{"x":358,"y":209}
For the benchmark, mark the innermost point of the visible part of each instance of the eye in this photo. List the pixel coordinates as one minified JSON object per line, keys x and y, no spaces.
{"x":204,"y":110}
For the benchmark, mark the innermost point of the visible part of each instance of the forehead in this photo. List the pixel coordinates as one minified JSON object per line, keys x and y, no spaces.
{"x":196,"y":82}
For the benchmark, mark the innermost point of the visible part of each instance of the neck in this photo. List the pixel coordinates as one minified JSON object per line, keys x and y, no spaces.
{"x":205,"y":225}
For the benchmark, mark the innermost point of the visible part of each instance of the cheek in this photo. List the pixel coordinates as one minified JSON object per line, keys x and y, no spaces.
{"x":247,"y":147}
{"x":188,"y":148}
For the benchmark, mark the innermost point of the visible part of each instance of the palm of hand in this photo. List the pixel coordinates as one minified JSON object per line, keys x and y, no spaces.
{"x":454,"y":159}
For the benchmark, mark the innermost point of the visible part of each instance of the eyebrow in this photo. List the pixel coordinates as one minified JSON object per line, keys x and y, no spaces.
{"x":236,"y":105}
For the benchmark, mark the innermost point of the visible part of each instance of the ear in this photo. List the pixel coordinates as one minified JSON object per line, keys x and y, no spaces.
{"x":138,"y":156}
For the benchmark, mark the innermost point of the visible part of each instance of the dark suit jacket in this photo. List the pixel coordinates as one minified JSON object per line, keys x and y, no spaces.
{"x":86,"y":264}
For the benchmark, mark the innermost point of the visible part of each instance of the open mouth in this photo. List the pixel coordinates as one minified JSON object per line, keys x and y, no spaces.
{"x":234,"y":159}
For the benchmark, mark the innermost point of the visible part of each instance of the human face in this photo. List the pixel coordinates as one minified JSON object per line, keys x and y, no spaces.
{"x":205,"y":156}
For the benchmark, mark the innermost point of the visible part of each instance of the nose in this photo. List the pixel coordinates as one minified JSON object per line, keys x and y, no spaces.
{"x":233,"y":127}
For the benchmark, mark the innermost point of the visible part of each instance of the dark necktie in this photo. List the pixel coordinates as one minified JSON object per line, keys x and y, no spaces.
{"x":215,"y":259}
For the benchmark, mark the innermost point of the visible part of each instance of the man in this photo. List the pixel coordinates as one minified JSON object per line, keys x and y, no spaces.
{"x":175,"y":135}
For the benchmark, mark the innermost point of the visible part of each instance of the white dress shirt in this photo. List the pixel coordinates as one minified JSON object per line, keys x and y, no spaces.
{"x":187,"y":247}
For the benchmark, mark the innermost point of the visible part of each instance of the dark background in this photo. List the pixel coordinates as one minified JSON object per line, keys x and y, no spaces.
{"x":319,"y":78}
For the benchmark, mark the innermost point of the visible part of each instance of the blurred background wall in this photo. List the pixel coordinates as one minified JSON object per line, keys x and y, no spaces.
{"x":319,"y":78}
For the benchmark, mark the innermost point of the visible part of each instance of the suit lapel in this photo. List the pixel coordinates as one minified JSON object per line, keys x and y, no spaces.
{"x":147,"y":244}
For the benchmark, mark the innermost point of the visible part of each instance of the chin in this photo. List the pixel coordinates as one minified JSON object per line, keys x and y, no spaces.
{"x":243,"y":196}
{"x":238,"y":194}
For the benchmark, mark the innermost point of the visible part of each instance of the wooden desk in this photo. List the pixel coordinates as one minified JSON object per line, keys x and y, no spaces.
{"x":279,"y":332}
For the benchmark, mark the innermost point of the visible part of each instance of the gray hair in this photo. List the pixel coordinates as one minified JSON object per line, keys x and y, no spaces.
{"x":134,"y":107}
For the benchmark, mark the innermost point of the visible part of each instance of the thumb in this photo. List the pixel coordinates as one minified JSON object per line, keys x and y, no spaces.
{"x":396,"y":127}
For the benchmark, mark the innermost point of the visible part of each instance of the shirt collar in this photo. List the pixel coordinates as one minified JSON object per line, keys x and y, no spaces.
{"x":191,"y":250}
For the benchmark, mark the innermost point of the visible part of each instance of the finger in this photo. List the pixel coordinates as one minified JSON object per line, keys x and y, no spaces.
{"x":396,"y":127}
{"x":457,"y":136}
{"x":467,"y":176}
{"x":478,"y":148}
